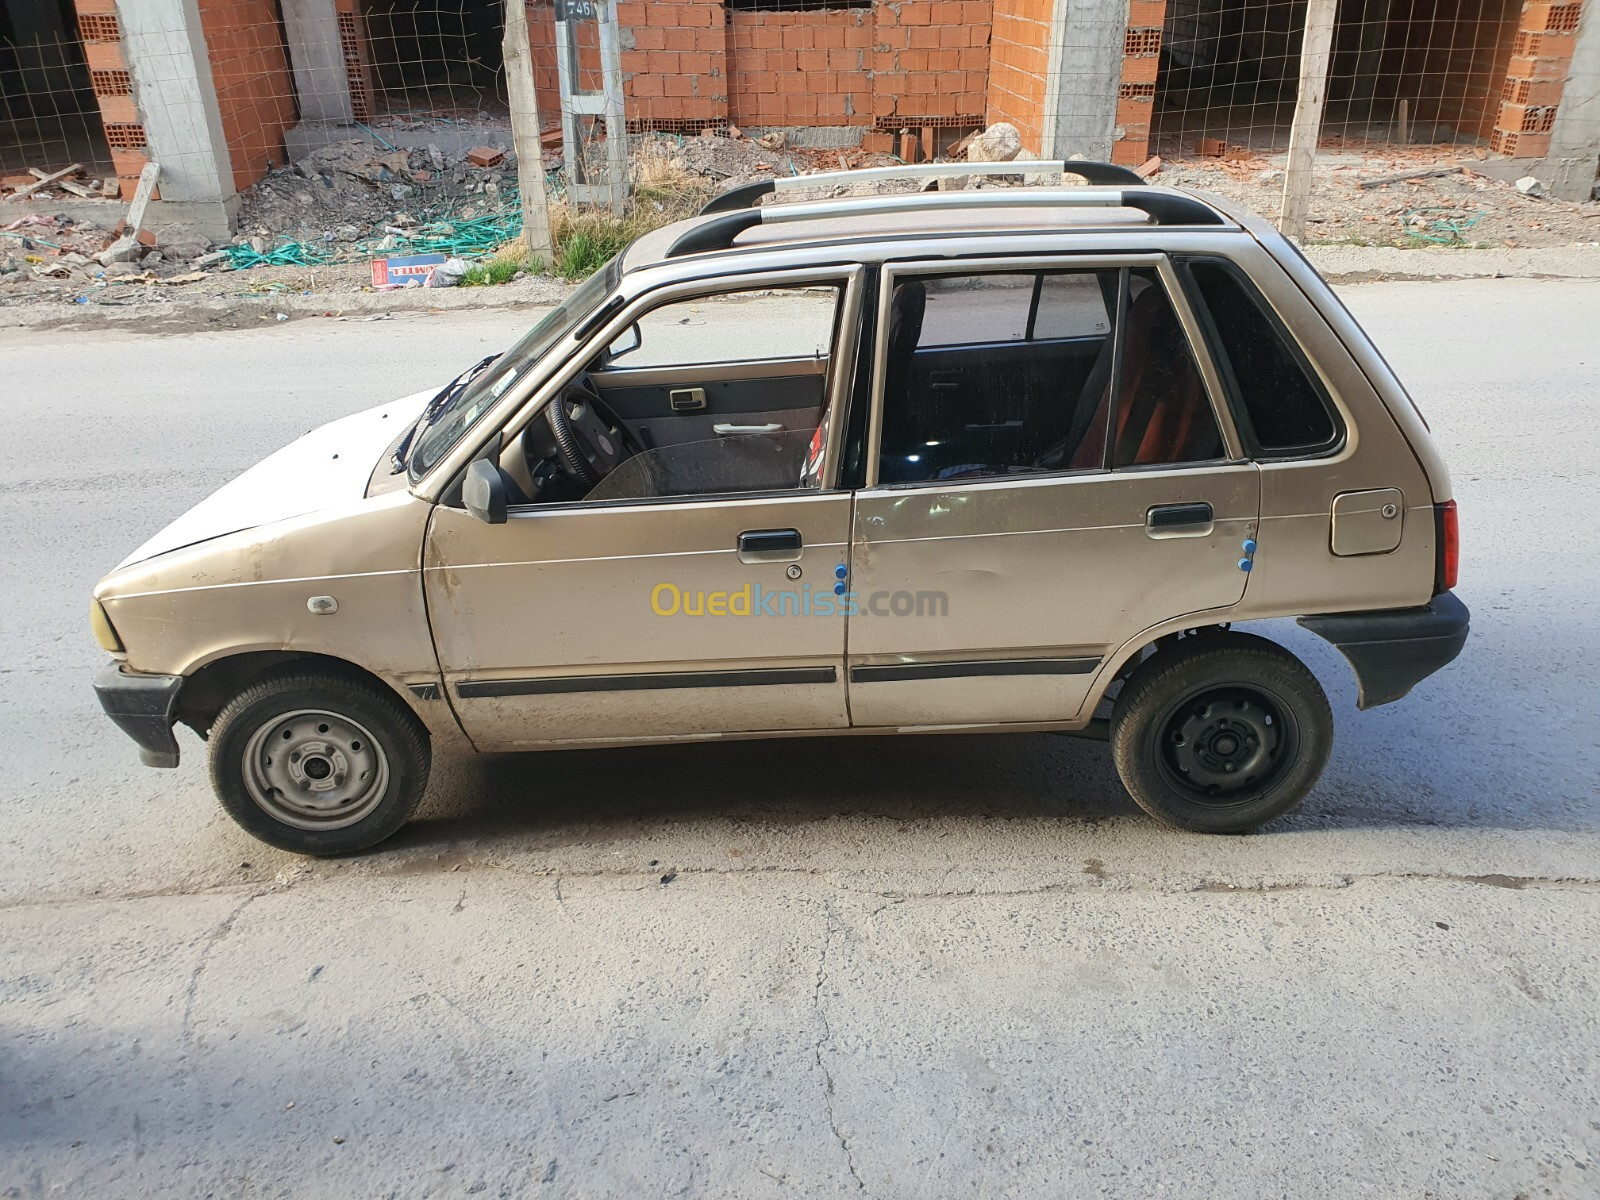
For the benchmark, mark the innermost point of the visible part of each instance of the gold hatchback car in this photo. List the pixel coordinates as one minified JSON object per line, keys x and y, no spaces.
{"x":1005,"y":459}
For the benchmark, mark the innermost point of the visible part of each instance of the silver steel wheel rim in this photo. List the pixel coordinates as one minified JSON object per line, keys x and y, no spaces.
{"x":315,"y":770}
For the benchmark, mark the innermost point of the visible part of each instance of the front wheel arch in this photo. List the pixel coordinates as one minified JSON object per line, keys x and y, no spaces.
{"x":209,"y":689}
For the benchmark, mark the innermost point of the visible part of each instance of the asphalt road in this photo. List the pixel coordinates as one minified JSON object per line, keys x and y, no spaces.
{"x":902,"y":968}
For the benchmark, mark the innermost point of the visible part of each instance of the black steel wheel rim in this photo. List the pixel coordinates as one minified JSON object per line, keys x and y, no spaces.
{"x":1223,"y":746}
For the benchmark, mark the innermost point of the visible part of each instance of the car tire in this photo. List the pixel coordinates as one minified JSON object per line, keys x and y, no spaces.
{"x":319,"y":763}
{"x":1220,"y":733}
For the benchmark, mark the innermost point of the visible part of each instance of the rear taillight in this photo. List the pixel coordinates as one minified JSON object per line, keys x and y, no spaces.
{"x":1447,"y":542}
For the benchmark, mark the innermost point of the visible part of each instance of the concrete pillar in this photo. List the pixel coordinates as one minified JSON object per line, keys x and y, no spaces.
{"x":1569,"y":171}
{"x":177,"y":100}
{"x":320,"y":82}
{"x":1083,"y":73}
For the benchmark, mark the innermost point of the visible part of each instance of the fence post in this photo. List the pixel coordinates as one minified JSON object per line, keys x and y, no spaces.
{"x":1303,"y":135}
{"x":524,"y":103}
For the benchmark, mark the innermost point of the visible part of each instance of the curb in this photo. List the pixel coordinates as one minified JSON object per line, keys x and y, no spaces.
{"x":1369,"y":264}
{"x":179,"y":313}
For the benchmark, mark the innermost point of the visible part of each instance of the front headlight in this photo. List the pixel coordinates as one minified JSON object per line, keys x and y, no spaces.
{"x":103,"y":633}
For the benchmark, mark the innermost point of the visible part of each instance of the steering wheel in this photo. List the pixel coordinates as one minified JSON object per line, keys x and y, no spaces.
{"x":588,"y":436}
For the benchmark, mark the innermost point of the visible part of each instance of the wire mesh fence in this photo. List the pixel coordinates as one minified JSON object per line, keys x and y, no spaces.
{"x":257,"y":87}
{"x":49,"y":114}
{"x":1402,"y":72}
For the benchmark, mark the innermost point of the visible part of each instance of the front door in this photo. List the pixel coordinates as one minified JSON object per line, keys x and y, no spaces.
{"x":690,"y":592}
{"x":1027,"y":521}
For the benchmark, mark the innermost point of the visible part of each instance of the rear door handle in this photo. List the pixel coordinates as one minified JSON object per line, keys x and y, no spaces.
{"x":769,"y":545}
{"x":1179,"y":520}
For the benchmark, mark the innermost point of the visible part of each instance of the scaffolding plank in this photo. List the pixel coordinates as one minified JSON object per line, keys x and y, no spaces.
{"x":45,"y":181}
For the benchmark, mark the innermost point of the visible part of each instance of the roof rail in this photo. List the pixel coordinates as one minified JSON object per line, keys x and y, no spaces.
{"x":748,"y":195}
{"x":1164,"y":207}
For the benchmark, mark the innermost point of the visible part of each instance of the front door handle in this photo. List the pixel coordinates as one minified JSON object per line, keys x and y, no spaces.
{"x":769,"y":545}
{"x":724,"y":430}
{"x":1179,"y":520}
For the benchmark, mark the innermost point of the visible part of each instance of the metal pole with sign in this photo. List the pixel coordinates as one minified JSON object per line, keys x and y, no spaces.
{"x":578,"y":103}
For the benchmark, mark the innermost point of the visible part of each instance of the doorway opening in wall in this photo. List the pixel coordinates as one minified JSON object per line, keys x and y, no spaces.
{"x":1423,"y":72}
{"x":49,"y":114}
{"x":435,"y":57}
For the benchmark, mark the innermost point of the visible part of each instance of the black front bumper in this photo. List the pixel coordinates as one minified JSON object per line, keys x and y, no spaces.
{"x":144,"y":707}
{"x":1394,"y":650}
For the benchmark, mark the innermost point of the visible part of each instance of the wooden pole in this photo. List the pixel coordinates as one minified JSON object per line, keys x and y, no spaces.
{"x":1303,"y":135}
{"x":524,"y":104}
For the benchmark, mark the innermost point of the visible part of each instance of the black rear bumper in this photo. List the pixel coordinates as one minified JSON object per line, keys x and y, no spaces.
{"x":1393,"y":651}
{"x":144,"y":707}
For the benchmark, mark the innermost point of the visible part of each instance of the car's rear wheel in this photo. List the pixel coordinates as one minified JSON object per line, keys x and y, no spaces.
{"x":318,"y":762}
{"x":1221,"y":733}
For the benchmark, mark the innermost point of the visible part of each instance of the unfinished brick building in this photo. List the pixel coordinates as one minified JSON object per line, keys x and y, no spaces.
{"x":213,"y":88}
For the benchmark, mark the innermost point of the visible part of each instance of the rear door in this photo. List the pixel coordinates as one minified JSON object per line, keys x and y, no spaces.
{"x":1008,"y":541}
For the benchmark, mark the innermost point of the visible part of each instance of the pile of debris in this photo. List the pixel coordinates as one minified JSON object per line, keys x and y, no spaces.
{"x":1407,"y":196}
{"x":353,"y":199}
{"x":59,"y":257}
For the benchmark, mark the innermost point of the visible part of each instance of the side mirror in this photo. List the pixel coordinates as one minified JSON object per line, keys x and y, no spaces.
{"x":627,"y":342}
{"x":484,"y":492}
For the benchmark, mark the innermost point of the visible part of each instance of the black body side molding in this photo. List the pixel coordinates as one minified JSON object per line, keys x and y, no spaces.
{"x":1392,"y":651}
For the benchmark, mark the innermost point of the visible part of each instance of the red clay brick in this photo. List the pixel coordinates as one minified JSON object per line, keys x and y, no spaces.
{"x":1519,"y":145}
{"x":1532,"y":91}
{"x":1140,"y":70}
{"x":1542,"y":69}
{"x":1126,"y":153}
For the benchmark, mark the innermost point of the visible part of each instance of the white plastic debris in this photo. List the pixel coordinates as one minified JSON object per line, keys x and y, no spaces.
{"x":448,"y":273}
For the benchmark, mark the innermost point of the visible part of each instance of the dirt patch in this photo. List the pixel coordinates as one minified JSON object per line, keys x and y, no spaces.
{"x":1464,"y":206}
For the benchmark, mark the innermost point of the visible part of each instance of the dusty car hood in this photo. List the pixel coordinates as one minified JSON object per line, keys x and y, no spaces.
{"x":327,"y":466}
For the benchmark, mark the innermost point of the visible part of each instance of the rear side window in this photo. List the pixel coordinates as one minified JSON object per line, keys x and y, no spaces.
{"x":1017,"y":373}
{"x":1284,"y":408}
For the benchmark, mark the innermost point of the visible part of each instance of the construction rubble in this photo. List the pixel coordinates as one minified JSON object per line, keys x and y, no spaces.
{"x":321,"y":219}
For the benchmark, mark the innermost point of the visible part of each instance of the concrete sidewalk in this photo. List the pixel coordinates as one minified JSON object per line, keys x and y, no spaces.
{"x":494,"y":1033}
{"x":171,"y":311}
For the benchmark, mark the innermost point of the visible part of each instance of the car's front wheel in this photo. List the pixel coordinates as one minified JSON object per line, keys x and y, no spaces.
{"x":318,"y":763}
{"x":1221,"y":733}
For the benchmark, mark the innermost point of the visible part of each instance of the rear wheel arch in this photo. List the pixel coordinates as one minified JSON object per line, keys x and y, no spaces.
{"x":1220,"y":732}
{"x":1159,"y":639}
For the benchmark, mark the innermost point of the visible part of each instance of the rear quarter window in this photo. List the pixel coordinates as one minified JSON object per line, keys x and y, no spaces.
{"x":1285,"y":411}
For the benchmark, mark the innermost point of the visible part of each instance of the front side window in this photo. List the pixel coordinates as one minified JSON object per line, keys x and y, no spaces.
{"x":1016,"y":373}
{"x":1285,"y":411}
{"x":721,"y":394}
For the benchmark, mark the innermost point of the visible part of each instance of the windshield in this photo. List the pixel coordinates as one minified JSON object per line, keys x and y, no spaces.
{"x":447,"y":426}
